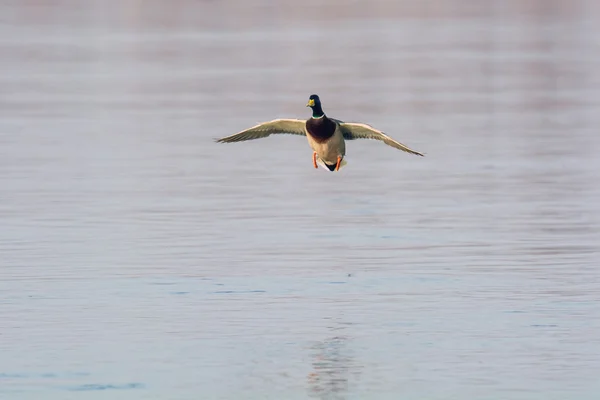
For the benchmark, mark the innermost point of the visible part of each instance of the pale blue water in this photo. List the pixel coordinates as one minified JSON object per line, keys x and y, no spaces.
{"x":140,"y":260}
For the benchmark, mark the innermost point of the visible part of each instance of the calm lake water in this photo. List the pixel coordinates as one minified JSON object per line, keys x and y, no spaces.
{"x":141,"y":260}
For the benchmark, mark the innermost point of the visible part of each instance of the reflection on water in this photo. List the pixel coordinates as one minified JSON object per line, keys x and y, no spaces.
{"x":330,"y":377}
{"x":333,"y":367}
{"x":139,"y":259}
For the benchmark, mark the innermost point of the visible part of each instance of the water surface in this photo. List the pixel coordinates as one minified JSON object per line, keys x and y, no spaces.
{"x":140,"y":260}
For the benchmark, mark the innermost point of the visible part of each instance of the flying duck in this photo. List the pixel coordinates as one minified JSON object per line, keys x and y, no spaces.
{"x":326,"y":136}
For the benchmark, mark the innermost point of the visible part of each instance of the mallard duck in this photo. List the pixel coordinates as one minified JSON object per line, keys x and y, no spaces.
{"x":326,"y":136}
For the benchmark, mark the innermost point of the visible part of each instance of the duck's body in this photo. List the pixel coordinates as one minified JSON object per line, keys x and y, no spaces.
{"x":327,"y":141}
{"x":326,"y":136}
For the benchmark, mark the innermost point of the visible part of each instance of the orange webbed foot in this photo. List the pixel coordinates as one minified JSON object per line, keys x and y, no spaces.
{"x":339,"y":161}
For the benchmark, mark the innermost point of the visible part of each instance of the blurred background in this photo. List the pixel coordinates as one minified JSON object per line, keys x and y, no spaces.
{"x":141,"y":260}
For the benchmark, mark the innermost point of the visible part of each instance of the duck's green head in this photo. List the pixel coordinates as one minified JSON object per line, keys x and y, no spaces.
{"x":315,"y":103}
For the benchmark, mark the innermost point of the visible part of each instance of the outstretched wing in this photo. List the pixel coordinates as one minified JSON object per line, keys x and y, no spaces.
{"x":277,"y":126}
{"x":352,"y":130}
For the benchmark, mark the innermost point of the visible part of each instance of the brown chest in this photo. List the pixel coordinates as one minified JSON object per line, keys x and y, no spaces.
{"x":320,"y":129}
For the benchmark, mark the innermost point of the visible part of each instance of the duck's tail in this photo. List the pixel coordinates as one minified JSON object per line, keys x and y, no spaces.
{"x":330,"y":167}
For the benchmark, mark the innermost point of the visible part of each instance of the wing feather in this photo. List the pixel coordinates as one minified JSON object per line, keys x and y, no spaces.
{"x":265,"y":129}
{"x":353,"y":130}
